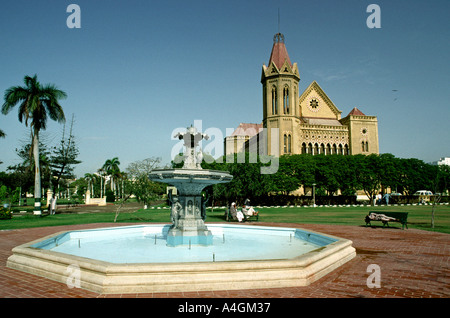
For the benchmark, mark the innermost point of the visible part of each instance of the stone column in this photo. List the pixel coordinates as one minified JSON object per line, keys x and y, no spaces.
{"x":88,"y":196}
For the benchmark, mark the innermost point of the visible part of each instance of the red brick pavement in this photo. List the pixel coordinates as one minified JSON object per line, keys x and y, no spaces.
{"x":413,"y":263}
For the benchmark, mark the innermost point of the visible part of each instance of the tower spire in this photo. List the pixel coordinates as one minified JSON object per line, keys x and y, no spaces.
{"x":279,"y":53}
{"x":278,"y":20}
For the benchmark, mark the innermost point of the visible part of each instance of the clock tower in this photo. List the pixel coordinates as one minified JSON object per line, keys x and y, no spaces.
{"x":301,"y":123}
{"x":280,"y":81}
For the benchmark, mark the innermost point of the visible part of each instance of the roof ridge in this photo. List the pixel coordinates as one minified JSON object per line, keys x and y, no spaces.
{"x":356,"y":112}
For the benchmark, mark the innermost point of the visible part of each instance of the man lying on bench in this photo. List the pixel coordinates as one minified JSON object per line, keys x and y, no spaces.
{"x":379,"y":217}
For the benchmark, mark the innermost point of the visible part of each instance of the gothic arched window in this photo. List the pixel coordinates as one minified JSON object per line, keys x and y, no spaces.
{"x":274,"y":101}
{"x":289,"y":144}
{"x":286,"y":100}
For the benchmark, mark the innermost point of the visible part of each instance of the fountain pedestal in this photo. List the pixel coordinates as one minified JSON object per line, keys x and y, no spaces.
{"x":188,"y":210}
{"x":188,"y":225}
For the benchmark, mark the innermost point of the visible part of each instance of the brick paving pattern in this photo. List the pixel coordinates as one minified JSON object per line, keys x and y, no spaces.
{"x":413,"y":263}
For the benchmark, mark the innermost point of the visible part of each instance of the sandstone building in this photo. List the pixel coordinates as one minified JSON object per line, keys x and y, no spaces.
{"x":296,"y":123}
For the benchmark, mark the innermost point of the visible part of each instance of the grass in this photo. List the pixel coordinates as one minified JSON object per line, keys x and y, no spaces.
{"x":419,"y":217}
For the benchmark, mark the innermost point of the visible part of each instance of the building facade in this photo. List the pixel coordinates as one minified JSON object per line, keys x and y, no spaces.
{"x":296,"y":123}
{"x":442,"y":161}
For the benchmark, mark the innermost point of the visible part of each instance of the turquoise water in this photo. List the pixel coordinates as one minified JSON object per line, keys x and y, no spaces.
{"x":147,"y":244}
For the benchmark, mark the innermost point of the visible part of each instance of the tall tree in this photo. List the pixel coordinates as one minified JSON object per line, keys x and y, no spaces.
{"x":111,"y":166}
{"x":26,"y":166}
{"x":2,"y":135}
{"x":101,"y":173}
{"x":286,"y":179}
{"x":368,"y":174}
{"x":138,"y":182}
{"x":37,"y":103}
{"x":64,"y":157}
{"x":415,"y":175}
{"x":90,"y":178}
{"x":328,"y":173}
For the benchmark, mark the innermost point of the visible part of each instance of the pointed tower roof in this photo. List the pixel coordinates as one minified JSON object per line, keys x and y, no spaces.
{"x":356,"y":112}
{"x":279,"y":53}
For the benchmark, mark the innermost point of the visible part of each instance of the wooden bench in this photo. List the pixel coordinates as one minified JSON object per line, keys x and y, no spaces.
{"x":229,"y":217}
{"x":385,"y":217}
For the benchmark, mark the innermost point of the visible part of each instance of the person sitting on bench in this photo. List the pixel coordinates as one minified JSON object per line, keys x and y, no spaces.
{"x":240,"y":216}
{"x":248,"y":210}
{"x":235,"y":214}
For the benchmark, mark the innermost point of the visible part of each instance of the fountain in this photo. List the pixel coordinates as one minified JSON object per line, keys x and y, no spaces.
{"x":188,"y":210}
{"x":185,"y":255}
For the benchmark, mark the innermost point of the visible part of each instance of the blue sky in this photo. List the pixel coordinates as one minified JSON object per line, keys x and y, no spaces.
{"x":138,"y":69}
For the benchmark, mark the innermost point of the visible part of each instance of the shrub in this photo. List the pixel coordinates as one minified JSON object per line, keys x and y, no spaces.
{"x":5,"y":214}
{"x":110,"y":197}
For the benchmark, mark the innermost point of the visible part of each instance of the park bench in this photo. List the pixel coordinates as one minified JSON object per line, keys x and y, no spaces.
{"x":386,"y":217}
{"x":229,"y":217}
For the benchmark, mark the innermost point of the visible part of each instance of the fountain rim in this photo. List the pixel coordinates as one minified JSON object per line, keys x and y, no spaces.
{"x":106,"y":277}
{"x":300,"y":260}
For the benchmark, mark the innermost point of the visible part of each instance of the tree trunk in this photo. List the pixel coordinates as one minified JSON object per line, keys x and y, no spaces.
{"x":436,"y":200}
{"x":37,"y":175}
{"x":432,"y":215}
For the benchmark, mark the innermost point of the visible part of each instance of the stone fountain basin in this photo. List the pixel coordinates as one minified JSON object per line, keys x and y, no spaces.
{"x":111,"y":278}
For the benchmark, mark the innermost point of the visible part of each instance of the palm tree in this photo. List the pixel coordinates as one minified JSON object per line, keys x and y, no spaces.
{"x":37,"y":103}
{"x":89,"y":177}
{"x":111,"y":167}
{"x":101,"y":174}
{"x":2,"y":135}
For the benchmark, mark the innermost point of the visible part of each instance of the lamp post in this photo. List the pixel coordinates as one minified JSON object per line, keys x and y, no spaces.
{"x":314,"y":195}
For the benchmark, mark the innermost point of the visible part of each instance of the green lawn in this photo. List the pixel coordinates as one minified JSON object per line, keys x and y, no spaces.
{"x":419,"y":217}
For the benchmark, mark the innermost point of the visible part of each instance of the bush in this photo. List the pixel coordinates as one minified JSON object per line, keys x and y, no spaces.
{"x":110,"y":197}
{"x":283,"y":200}
{"x":5,"y":214}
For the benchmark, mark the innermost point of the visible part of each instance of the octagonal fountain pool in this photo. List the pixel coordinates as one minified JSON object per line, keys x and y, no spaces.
{"x":186,"y":255}
{"x":147,"y":244}
{"x":132,"y":259}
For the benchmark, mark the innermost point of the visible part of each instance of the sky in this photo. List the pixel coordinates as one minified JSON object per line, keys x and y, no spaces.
{"x":138,"y":70}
